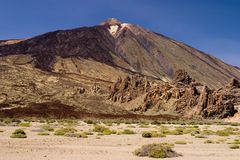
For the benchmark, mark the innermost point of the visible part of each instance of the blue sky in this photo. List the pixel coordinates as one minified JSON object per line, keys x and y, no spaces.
{"x":212,"y":26}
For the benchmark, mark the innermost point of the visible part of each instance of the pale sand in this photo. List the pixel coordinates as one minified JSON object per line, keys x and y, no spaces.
{"x":111,"y":147}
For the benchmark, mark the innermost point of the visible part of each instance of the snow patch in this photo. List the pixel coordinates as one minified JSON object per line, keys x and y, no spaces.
{"x":113,"y":29}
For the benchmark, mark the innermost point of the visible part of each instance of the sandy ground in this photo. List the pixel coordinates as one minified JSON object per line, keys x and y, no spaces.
{"x":108,"y":147}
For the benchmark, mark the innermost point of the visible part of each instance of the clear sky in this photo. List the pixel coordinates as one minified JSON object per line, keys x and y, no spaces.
{"x":212,"y":26}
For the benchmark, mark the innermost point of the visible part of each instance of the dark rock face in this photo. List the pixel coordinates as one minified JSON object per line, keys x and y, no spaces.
{"x":189,"y":100}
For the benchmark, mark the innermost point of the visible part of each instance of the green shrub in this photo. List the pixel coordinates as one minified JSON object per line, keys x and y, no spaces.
{"x":89,"y":121}
{"x":19,"y":133}
{"x":47,"y":128}
{"x":200,"y":136}
{"x":234,"y":146}
{"x":181,"y":142}
{"x":88,"y":133}
{"x":151,"y":134}
{"x":236,"y":141}
{"x":208,"y":132}
{"x":147,"y":134}
{"x":43,"y":134}
{"x":209,"y":141}
{"x":99,"y":128}
{"x":222,"y":133}
{"x":24,"y":124}
{"x":127,"y":131}
{"x":161,"y":150}
{"x":109,"y":132}
{"x":63,"y":131}
{"x":7,"y":120}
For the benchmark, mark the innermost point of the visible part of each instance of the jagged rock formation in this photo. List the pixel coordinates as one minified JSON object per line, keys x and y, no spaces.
{"x":183,"y":96}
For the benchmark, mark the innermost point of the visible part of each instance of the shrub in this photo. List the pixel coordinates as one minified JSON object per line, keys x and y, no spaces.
{"x":147,"y":134}
{"x":207,"y":132}
{"x":88,"y":133}
{"x":181,"y":142}
{"x":99,"y":128}
{"x":151,"y":134}
{"x":127,"y":131}
{"x":200,"y":136}
{"x":209,"y":141}
{"x":63,"y":131}
{"x":234,"y":146}
{"x":43,"y":134}
{"x":7,"y":120}
{"x":18,"y":133}
{"x":90,"y":121}
{"x":222,"y":133}
{"x":47,"y":128}
{"x":109,"y":132}
{"x":236,"y":141}
{"x":24,"y":124}
{"x":161,"y":150}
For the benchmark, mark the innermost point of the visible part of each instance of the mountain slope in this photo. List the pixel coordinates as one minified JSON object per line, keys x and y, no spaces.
{"x":125,"y":47}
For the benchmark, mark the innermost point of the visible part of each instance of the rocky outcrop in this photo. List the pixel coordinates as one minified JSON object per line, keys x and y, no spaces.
{"x":189,"y":99}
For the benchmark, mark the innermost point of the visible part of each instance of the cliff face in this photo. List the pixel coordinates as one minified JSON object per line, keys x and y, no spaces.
{"x":59,"y":65}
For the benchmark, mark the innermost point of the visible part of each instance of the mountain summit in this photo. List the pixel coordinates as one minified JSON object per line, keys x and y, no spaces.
{"x":111,"y":21}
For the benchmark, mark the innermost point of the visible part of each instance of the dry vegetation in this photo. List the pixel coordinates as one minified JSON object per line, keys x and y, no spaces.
{"x":143,"y":137}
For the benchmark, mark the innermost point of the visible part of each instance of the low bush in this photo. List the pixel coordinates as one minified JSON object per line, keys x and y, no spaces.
{"x":234,"y":146}
{"x":236,"y":141}
{"x":109,"y":132}
{"x":127,"y":131}
{"x":24,"y":124}
{"x":152,"y":134}
{"x":47,"y":128}
{"x":209,"y":141}
{"x":89,"y":121}
{"x":63,"y":131}
{"x":161,"y":150}
{"x":19,"y":133}
{"x":222,"y":133}
{"x":200,"y":136}
{"x":181,"y":142}
{"x":43,"y":134}
{"x":99,"y":128}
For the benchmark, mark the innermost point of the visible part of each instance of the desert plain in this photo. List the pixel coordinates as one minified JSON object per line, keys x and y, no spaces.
{"x":107,"y":140}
